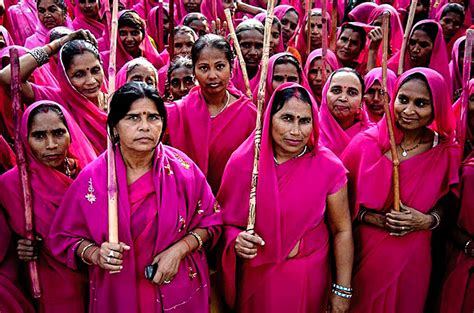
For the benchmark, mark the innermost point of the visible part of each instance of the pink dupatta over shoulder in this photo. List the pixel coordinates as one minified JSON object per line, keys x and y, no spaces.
{"x":290,"y":209}
{"x":391,"y":274}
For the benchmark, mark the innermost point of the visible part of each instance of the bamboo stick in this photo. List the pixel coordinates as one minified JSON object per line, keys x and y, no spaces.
{"x":309,"y":5}
{"x":324,"y":44}
{"x":230,"y":24}
{"x":111,"y":177}
{"x":171,"y":30}
{"x":406,"y":35}
{"x":466,"y":75}
{"x":333,"y":25}
{"x":388,"y":115}
{"x":22,"y":167}
{"x":260,"y":103}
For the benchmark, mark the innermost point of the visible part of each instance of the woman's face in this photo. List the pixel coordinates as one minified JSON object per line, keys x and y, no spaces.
{"x":344,"y":97}
{"x":450,"y":23}
{"x":192,"y":5}
{"x":50,"y":14}
{"x":251,"y":44}
{"x":86,"y":75}
{"x":420,"y":8}
{"x":140,"y":129}
{"x":274,"y":39}
{"x":420,"y":48}
{"x":181,"y":82}
{"x":413,"y":105}
{"x":291,"y":127}
{"x":284,"y":73}
{"x":315,"y":76}
{"x":200,"y":27}
{"x":316,"y":32}
{"x":289,"y":23}
{"x":183,"y":43}
{"x":142,"y":73}
{"x":131,"y":39}
{"x":49,"y":139}
{"x":374,"y":99}
{"x":212,"y":70}
{"x":348,"y":45}
{"x":90,"y":8}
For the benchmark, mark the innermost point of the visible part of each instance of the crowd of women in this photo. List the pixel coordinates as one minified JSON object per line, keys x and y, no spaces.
{"x":327,"y":236}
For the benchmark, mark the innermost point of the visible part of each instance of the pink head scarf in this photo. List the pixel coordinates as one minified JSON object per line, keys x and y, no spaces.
{"x":434,"y":12}
{"x":6,"y":37}
{"x":280,"y":12}
{"x":362,"y":12}
{"x":121,"y":78}
{"x":213,"y":9}
{"x":261,"y":18}
{"x":90,"y":118}
{"x":375,"y":75}
{"x":395,"y":27}
{"x":301,"y":44}
{"x":25,"y":14}
{"x":459,"y":33}
{"x":155,"y":25}
{"x":83,"y":22}
{"x":331,"y":60}
{"x":332,"y":135}
{"x":456,"y":75}
{"x":462,"y":111}
{"x":363,"y":54}
{"x":280,"y":228}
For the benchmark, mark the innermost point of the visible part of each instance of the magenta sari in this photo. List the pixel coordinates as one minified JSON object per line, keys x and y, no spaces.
{"x":155,"y":25}
{"x":290,"y":210}
{"x":238,"y":78}
{"x":24,"y":13}
{"x":456,"y":75}
{"x":90,"y":118}
{"x":83,"y":22}
{"x":392,"y":274}
{"x":332,"y":135}
{"x":280,"y":12}
{"x":210,"y":141}
{"x":375,"y":75}
{"x":330,"y":59}
{"x":7,"y":157}
{"x":40,"y":36}
{"x":154,"y":212}
{"x":71,"y":296}
{"x":361,"y":13}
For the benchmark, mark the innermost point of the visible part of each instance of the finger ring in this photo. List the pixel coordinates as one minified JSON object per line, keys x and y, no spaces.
{"x":111,"y":253}
{"x":108,"y":260}
{"x":167,"y":281}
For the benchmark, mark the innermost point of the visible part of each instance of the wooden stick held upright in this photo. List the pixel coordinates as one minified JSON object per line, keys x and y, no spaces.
{"x":21,"y":163}
{"x":411,"y":17}
{"x":466,"y":75}
{"x":260,"y":104}
{"x":171,"y":30}
{"x":333,"y":25}
{"x":308,"y":26}
{"x":111,"y":177}
{"x":243,"y":66}
{"x":388,"y":115}
{"x":324,"y":44}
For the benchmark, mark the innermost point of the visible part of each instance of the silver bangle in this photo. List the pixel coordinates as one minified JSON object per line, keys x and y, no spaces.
{"x":341,"y":288}
{"x":40,"y":55}
{"x":198,"y":238}
{"x":437,"y":218}
{"x":466,"y":245}
{"x":341,"y":294}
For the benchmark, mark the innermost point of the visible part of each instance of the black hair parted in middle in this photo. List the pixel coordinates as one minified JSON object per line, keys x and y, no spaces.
{"x":212,"y":41}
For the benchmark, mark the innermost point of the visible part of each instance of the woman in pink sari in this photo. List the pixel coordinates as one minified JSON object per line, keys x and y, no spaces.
{"x":81,"y":82}
{"x":7,"y":157}
{"x":342,"y":116}
{"x":374,"y":94}
{"x":458,"y":289}
{"x":361,"y":13}
{"x":283,"y":265}
{"x":451,"y":17}
{"x":56,"y":150}
{"x":180,"y":78}
{"x":351,"y":48}
{"x":51,"y":13}
{"x":455,"y":67}
{"x":215,"y":118}
{"x":138,"y":70}
{"x":87,"y":16}
{"x":167,"y":215}
{"x":197,"y":22}
{"x":289,"y":19}
{"x":5,"y":38}
{"x":132,"y":42}
{"x":276,"y":39}
{"x":158,"y":25}
{"x":393,"y":249}
{"x":313,"y":70}
{"x":25,"y":14}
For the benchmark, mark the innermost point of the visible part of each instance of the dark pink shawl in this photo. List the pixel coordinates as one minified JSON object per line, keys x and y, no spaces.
{"x":46,"y":200}
{"x":24,"y":13}
{"x":280,"y":11}
{"x":361,"y":13}
{"x":333,"y":136}
{"x":290,"y":208}
{"x":375,"y":75}
{"x":439,"y":9}
{"x":6,"y":36}
{"x":155,"y":25}
{"x":83,"y":22}
{"x":238,"y":78}
{"x":301,"y":44}
{"x":210,"y":141}
{"x":212,"y":9}
{"x":439,"y":57}
{"x":178,"y":201}
{"x":331,"y":60}
{"x":456,"y":75}
{"x":399,"y":261}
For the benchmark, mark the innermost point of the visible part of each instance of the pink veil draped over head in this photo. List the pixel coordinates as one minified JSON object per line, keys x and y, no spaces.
{"x":83,"y":22}
{"x":280,"y":12}
{"x":456,"y":75}
{"x":331,"y":60}
{"x":261,"y":18}
{"x":361,"y":13}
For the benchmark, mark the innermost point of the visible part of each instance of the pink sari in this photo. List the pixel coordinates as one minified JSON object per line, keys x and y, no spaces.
{"x":83,"y":22}
{"x":361,"y":13}
{"x":155,"y":25}
{"x":331,"y":60}
{"x":392,"y":274}
{"x":70,"y":297}
{"x":332,"y":135}
{"x":7,"y":157}
{"x":210,"y":141}
{"x":238,"y":78}
{"x":360,"y":63}
{"x":40,"y":36}
{"x":90,"y":118}
{"x":24,"y":13}
{"x":375,"y":75}
{"x":154,"y":212}
{"x":280,"y":12}
{"x":6,"y":37}
{"x":456,"y":75}
{"x":290,"y":210}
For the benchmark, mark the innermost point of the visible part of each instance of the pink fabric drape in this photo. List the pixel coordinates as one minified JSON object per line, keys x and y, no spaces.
{"x":361,"y":13}
{"x":461,"y":32}
{"x":7,"y":157}
{"x":154,"y":212}
{"x":261,"y":18}
{"x":210,"y":141}
{"x":238,"y":78}
{"x":331,"y":60}
{"x":70,"y":297}
{"x":456,"y":75}
{"x":280,"y":11}
{"x":24,"y":13}
{"x":40,"y":36}
{"x":290,"y":209}
{"x":402,"y":264}
{"x":90,"y":118}
{"x":333,"y":136}
{"x":155,"y":25}
{"x":375,"y":75}
{"x":439,"y":9}
{"x":83,"y":22}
